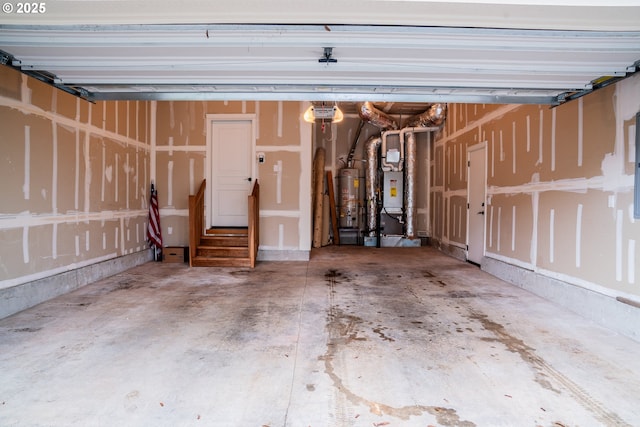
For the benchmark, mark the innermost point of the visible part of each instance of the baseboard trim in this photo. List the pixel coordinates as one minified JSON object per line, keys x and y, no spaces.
{"x":284,"y":255}
{"x":451,"y":250}
{"x":29,"y":294}
{"x":613,"y":313}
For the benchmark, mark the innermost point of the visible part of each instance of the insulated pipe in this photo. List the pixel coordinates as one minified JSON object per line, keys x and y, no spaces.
{"x":410,"y":176}
{"x":410,"y":186}
{"x":433,"y":116}
{"x":371,"y":182}
{"x":371,"y":114}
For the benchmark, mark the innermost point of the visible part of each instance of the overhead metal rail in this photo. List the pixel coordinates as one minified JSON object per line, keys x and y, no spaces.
{"x":321,"y":63}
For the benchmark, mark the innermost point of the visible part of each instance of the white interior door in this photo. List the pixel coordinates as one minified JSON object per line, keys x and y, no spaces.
{"x":476,"y":201}
{"x":232,"y":146}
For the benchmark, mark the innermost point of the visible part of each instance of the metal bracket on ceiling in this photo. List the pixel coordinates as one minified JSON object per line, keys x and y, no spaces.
{"x":5,"y":58}
{"x":597,"y":84}
{"x":326,"y":59}
{"x":45,"y":77}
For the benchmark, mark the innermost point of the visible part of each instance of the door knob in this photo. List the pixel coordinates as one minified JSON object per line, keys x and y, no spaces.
{"x":481,"y":213}
{"x":249,"y":179}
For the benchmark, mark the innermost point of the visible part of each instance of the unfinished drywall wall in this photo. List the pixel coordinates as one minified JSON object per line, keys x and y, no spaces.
{"x":180,"y":165}
{"x":73,"y":182}
{"x":559,"y":187}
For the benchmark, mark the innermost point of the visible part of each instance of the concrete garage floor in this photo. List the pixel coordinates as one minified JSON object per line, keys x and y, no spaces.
{"x":354,"y":337}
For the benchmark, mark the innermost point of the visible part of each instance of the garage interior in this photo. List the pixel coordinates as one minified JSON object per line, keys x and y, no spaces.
{"x":480,"y":268}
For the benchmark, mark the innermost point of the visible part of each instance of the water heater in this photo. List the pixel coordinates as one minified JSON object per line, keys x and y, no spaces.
{"x":350,"y":201}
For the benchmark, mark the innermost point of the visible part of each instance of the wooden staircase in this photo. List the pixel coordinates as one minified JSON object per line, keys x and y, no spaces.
{"x":223,"y":246}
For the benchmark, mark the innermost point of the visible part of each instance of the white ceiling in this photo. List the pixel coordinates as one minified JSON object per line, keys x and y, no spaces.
{"x":529,"y":56}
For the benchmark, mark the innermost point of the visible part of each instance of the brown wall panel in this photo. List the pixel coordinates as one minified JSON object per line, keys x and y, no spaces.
{"x":179,"y":163}
{"x":290,"y":181}
{"x":11,"y":254}
{"x":121,"y":116}
{"x":10,"y":83}
{"x":12,"y":160}
{"x":111,"y":116}
{"x":40,"y":165}
{"x":96,"y":112}
{"x":52,"y":179}
{"x":558,"y":186}
{"x":506,"y":215}
{"x":67,"y":104}
{"x":144,"y":115}
{"x":66,"y":174}
{"x":456,"y":160}
{"x":513,"y":146}
{"x":457,"y":227}
{"x":179,"y":227}
{"x":274,"y":129}
{"x":41,"y":95}
{"x":599,"y":130}
{"x":269,"y":232}
{"x":437,"y":215}
{"x":438,"y":169}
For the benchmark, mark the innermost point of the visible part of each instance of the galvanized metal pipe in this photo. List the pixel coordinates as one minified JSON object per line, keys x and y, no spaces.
{"x":411,"y":153}
{"x":410,"y":172}
{"x":371,"y":183}
{"x":370,"y":114}
{"x":433,"y":116}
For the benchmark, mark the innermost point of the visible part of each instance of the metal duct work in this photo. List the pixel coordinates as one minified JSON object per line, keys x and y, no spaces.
{"x":410,"y":172}
{"x":371,"y":114}
{"x":434,"y":116}
{"x":371,"y":182}
{"x":427,"y":121}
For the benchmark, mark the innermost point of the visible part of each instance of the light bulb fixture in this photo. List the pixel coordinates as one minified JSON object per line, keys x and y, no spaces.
{"x":317,"y":112}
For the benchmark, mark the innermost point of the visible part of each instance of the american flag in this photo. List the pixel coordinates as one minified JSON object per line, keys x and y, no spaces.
{"x":154,"y":234}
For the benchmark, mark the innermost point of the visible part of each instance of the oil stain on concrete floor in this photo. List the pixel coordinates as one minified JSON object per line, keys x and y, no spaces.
{"x":354,"y":337}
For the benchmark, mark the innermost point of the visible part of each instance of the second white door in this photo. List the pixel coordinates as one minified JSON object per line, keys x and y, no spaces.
{"x":476,"y":203}
{"x":232,"y":144}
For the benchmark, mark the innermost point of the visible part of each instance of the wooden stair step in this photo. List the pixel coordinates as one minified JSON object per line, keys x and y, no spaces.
{"x":199,"y":261}
{"x":223,"y":251}
{"x":214,"y":240}
{"x":227,"y":231}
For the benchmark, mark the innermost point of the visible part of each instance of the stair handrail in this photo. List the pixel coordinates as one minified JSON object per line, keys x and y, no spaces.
{"x":254,"y":223}
{"x":196,"y":221}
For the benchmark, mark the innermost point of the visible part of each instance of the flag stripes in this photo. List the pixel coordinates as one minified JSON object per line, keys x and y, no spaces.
{"x":154,"y":234}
